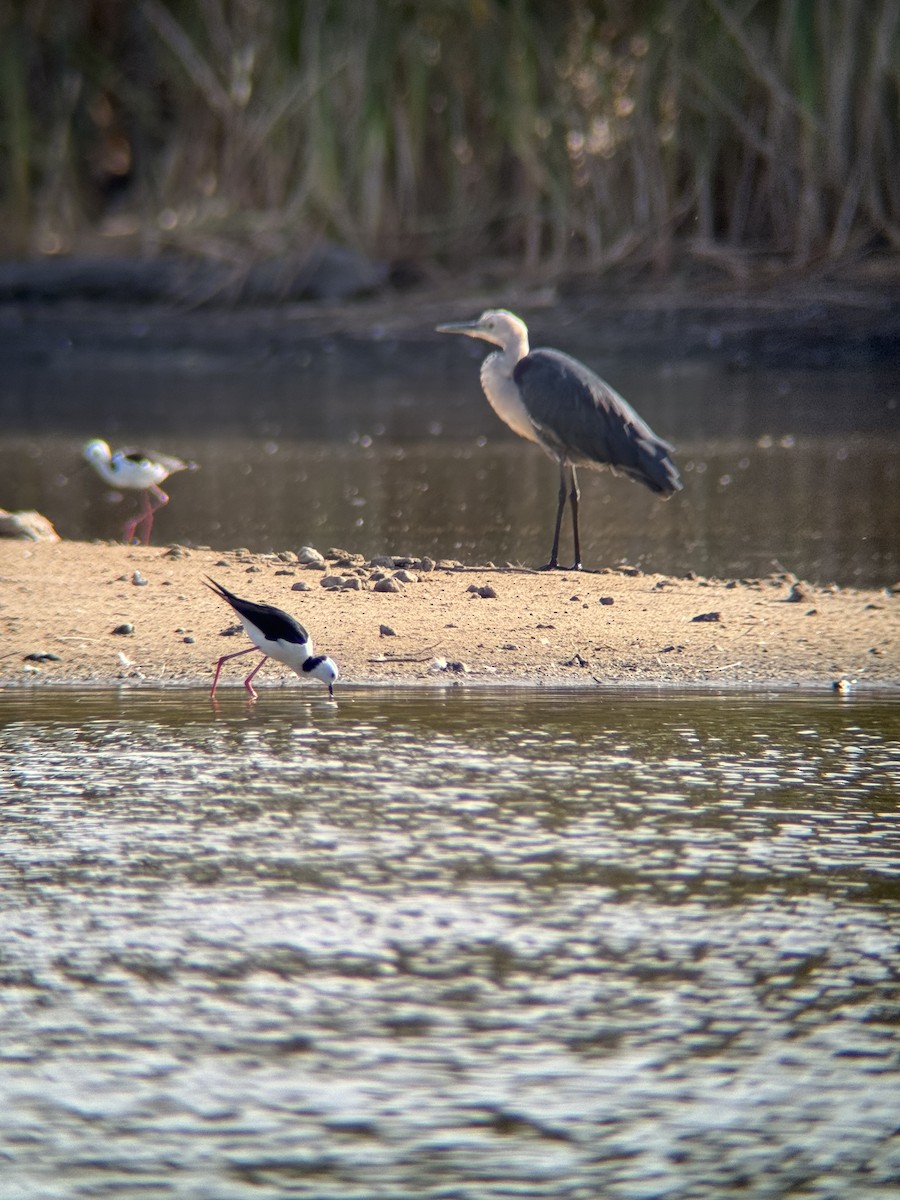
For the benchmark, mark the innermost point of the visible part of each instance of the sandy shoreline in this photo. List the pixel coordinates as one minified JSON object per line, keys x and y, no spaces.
{"x":557,"y":628}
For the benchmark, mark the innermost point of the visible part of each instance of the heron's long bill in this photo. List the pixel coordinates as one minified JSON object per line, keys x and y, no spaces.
{"x":469,"y":327}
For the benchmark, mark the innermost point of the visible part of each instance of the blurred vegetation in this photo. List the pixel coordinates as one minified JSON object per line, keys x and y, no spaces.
{"x":548,"y":135}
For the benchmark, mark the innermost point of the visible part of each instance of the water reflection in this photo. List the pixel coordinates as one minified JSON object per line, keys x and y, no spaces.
{"x":382,"y":451}
{"x":826,"y":508}
{"x":449,"y":943}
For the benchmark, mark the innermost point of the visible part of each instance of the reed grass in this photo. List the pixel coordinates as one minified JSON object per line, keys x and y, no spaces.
{"x":515,"y":134}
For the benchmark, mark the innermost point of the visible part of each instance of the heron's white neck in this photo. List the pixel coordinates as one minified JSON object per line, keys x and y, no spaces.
{"x":500,"y":387}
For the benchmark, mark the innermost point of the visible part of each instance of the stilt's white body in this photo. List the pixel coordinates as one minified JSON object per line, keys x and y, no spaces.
{"x":135,"y":472}
{"x":292,"y":654}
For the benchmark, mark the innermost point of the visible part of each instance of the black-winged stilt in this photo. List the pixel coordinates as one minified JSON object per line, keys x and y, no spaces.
{"x":276,"y":635}
{"x":137,"y":471}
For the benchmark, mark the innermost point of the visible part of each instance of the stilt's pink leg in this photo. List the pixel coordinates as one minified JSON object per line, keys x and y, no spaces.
{"x":132,"y":526}
{"x":225,"y":658}
{"x":247,"y":684}
{"x":161,"y":499}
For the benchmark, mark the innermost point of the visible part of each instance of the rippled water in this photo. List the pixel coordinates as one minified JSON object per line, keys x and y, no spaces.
{"x":449,"y":945}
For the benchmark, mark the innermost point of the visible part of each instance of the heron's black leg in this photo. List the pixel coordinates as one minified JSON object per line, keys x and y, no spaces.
{"x":574,"y":496}
{"x":554,"y":553}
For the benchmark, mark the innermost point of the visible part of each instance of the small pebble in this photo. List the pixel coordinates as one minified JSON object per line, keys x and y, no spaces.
{"x":343,"y":558}
{"x":310,"y":557}
{"x":189,"y":641}
{"x":139,"y":580}
{"x":42,"y":656}
{"x":331,"y":582}
{"x":386,"y":631}
{"x":388,"y":585}
{"x":382,"y":560}
{"x":607,"y":600}
{"x":710,"y":616}
{"x":405,"y":576}
{"x":441,"y":664}
{"x":125,"y":629}
{"x":301,"y":586}
{"x":352,"y":583}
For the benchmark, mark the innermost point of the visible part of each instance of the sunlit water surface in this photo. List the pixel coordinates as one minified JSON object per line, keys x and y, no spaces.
{"x":446,"y":944}
{"x":385,"y":447}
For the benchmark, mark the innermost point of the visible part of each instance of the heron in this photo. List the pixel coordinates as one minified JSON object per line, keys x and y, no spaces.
{"x":569,"y":411}
{"x":275,"y":634}
{"x":138,"y":471}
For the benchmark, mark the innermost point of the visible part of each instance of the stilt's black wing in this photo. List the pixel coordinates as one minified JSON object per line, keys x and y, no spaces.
{"x":271,"y":621}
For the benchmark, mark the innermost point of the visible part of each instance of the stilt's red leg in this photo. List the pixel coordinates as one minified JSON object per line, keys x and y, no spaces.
{"x":225,"y":658}
{"x":247,"y":684}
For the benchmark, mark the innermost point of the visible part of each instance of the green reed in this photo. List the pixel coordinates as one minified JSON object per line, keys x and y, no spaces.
{"x":513,"y":134}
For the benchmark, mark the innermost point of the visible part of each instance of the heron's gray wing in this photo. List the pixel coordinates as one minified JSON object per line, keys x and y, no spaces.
{"x":583,"y":420}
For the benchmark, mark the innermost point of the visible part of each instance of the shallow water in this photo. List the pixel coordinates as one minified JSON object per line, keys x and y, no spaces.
{"x":381,"y":447}
{"x":449,"y":944}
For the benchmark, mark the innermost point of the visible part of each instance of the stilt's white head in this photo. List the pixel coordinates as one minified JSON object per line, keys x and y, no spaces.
{"x":320,"y":666}
{"x":97,"y":451}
